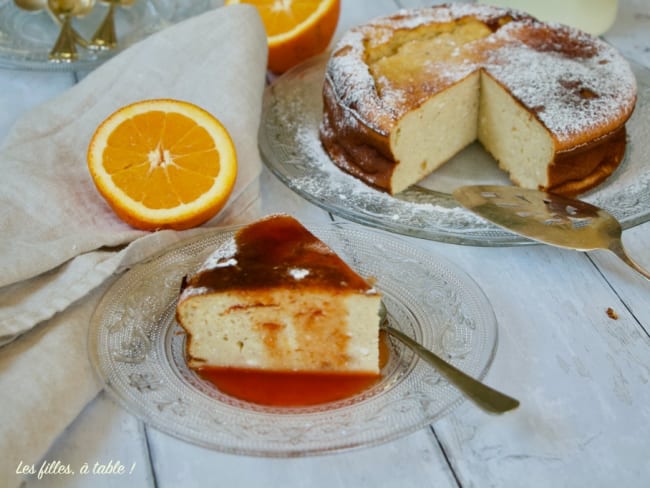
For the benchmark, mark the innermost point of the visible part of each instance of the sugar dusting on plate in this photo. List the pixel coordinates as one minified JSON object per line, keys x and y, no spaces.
{"x":357,"y":194}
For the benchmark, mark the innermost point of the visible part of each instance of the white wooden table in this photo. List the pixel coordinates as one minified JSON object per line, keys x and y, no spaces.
{"x":583,"y":377}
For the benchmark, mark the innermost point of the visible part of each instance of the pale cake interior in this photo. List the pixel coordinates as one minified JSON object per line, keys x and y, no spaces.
{"x":281,"y":330}
{"x":513,"y":136}
{"x":476,"y":107}
{"x":426,"y":138}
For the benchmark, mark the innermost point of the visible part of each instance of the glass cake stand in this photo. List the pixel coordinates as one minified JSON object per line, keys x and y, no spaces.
{"x":26,"y":38}
{"x":291,"y":149}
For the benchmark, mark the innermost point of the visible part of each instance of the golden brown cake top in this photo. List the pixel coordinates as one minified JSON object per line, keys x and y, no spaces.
{"x":577,"y":85}
{"x":276,"y":251}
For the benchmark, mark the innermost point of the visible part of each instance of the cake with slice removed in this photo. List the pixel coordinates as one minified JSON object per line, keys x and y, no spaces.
{"x":404,"y":93}
{"x":276,"y":298}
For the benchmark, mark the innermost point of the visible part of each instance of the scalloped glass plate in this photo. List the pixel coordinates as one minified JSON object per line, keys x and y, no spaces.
{"x":137,"y":348}
{"x":26,"y":38}
{"x":291,"y":149}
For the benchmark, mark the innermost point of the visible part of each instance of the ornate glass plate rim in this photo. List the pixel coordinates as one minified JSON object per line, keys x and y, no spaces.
{"x":137,"y":350}
{"x":290,"y":147}
{"x":26,"y":38}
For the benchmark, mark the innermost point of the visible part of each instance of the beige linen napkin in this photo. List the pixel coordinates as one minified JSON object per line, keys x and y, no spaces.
{"x":58,"y":235}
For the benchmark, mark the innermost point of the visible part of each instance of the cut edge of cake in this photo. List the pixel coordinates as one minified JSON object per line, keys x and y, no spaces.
{"x":389,"y":149}
{"x":308,"y":328}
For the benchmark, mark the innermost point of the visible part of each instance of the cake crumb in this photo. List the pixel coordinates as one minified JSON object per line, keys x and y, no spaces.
{"x":611,"y":313}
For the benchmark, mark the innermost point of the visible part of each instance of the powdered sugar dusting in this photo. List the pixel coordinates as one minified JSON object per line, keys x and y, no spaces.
{"x":222,"y":257}
{"x":571,"y":92}
{"x":192,"y":291}
{"x":298,"y":273}
{"x":356,"y":194}
{"x":351,"y":77}
{"x":414,"y":18}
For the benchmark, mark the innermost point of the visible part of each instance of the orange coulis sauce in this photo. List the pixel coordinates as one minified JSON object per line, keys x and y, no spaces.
{"x":292,"y":389}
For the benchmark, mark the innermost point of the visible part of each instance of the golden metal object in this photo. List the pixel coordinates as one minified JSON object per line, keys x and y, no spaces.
{"x":37,"y":6}
{"x":64,"y":49}
{"x":105,"y":36}
{"x":31,"y":5}
{"x":548,"y":218}
{"x":482,"y":395}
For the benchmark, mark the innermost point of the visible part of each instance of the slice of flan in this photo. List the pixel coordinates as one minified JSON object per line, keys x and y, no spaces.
{"x":276,"y":298}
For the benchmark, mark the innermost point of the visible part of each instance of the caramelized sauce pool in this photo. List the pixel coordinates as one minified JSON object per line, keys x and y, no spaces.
{"x":292,"y":389}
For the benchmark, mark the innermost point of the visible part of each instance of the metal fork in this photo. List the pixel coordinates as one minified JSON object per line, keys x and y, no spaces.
{"x":482,"y":395}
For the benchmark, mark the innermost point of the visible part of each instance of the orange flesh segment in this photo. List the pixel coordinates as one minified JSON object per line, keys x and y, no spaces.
{"x":279,"y":20}
{"x":163,"y":164}
{"x":160,"y":184}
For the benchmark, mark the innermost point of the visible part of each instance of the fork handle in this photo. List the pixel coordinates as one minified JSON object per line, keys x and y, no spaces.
{"x":485,"y":397}
{"x":617,"y":248}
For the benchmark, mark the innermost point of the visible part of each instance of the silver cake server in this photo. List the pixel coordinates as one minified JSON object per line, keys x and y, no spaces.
{"x":548,"y":218}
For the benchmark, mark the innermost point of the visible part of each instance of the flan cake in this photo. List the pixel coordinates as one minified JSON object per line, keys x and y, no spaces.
{"x":276,"y":298}
{"x":404,"y":93}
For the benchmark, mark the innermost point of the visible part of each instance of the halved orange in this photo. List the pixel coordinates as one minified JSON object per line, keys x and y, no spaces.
{"x":296,"y":29}
{"x":163,"y":164}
